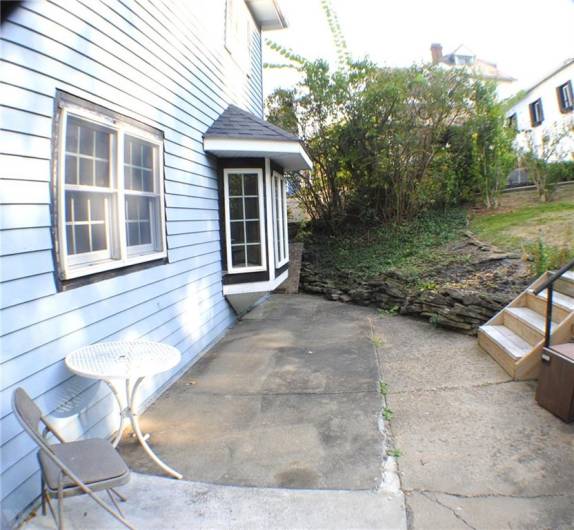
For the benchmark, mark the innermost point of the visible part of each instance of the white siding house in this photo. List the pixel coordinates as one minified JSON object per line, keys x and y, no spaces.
{"x":545,"y":109}
{"x":82,"y":83}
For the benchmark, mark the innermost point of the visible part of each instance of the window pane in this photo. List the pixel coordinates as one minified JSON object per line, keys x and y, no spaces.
{"x":236,"y":208}
{"x":102,"y":145}
{"x":82,"y":238}
{"x":102,"y":174}
{"x":252,"y":230}
{"x":97,"y":208}
{"x":133,"y":234}
{"x":72,"y":135}
{"x":86,"y":172}
{"x":136,"y":153}
{"x":235,"y":186}
{"x":71,"y":169}
{"x":253,"y":255}
{"x":86,"y":140}
{"x":138,"y":220}
{"x":99,"y":237}
{"x":237,"y":232}
{"x":251,"y":208}
{"x":138,"y":165}
{"x":250,"y":181}
{"x":238,"y":256}
{"x":76,"y":206}
{"x":70,"y":238}
{"x":147,"y":156}
{"x":145,"y":233}
{"x":147,"y":180}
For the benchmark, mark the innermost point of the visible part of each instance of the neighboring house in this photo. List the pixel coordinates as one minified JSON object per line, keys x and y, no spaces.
{"x":142,"y":196}
{"x":462,"y":57}
{"x":546,"y":109}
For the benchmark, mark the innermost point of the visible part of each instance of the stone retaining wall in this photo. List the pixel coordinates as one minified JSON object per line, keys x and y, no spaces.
{"x":463,"y":310}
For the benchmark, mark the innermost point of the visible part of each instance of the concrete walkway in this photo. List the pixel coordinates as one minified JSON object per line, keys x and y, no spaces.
{"x":476,"y":450}
{"x":280,"y":427}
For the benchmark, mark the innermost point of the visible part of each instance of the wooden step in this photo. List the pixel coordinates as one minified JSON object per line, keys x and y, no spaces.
{"x":559,"y":299}
{"x":565,"y":284}
{"x":538,"y":304}
{"x":526,"y":323}
{"x":515,"y":346}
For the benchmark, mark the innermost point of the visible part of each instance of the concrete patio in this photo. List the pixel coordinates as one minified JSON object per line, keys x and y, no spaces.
{"x":280,"y":426}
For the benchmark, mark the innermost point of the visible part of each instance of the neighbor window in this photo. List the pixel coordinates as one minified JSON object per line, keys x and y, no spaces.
{"x":280,"y":220}
{"x":109,"y":193}
{"x":512,"y":122}
{"x":244,"y":221}
{"x":536,"y":113}
{"x":565,"y":97}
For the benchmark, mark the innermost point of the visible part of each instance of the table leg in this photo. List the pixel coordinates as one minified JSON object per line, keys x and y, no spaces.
{"x":136,"y":427}
{"x":123,"y":413}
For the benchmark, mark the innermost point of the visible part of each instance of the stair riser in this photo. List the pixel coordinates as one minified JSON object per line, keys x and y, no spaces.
{"x":565,"y":287}
{"x":522,"y":329}
{"x":497,"y":353}
{"x":539,"y":305}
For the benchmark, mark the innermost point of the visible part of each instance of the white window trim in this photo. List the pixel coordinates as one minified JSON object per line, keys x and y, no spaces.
{"x":255,"y":268}
{"x":275,"y":178}
{"x":70,"y":266}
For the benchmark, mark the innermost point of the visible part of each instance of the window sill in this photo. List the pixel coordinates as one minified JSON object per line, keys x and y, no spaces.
{"x":244,"y":270}
{"x":95,"y":277}
{"x":110,"y":265}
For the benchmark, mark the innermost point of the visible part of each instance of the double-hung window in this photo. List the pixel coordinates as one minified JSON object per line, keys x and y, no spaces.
{"x":280,"y":234}
{"x":109,"y":193}
{"x":536,"y":113}
{"x":244,"y":220}
{"x":565,"y":97}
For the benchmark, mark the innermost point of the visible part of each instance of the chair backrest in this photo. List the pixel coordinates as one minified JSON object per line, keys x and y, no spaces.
{"x":26,"y":411}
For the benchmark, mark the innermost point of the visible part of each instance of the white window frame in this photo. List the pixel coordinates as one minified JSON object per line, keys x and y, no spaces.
{"x":278,"y":188}
{"x":261,"y":194}
{"x":119,"y":254}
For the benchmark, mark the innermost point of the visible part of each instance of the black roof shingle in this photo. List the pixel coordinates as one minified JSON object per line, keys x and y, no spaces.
{"x":234,"y":122}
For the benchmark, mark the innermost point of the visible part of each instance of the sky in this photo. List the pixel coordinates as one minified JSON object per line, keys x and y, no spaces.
{"x":525,"y":38}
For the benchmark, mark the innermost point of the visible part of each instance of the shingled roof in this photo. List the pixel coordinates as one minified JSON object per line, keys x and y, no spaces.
{"x":234,"y":122}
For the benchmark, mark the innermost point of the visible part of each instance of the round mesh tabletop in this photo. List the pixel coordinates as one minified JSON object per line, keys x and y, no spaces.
{"x":122,"y":359}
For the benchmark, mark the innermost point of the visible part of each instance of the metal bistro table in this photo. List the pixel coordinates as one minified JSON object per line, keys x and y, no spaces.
{"x":131,"y":362}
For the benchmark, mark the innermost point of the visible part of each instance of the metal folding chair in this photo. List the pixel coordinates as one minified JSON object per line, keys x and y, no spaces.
{"x":72,"y":468}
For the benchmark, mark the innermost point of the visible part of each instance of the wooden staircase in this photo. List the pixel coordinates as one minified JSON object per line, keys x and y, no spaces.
{"x":515,"y":336}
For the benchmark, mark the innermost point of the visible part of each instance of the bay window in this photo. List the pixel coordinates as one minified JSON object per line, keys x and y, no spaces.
{"x":244,"y":220}
{"x":109,"y":193}
{"x":279,"y":196}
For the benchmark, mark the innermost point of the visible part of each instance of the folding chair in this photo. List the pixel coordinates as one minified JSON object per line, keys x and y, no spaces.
{"x":72,"y":468}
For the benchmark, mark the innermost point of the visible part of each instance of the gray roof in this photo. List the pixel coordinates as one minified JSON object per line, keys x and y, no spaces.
{"x":234,"y":122}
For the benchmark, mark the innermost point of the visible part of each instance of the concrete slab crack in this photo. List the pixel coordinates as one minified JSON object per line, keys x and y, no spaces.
{"x":452,"y":387}
{"x":431,"y":497}
{"x":490,"y":495}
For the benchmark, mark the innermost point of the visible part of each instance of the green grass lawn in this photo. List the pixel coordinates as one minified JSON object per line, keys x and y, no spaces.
{"x":532,"y":229}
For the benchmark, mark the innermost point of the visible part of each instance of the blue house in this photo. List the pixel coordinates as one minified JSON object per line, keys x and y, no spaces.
{"x":142,"y":196}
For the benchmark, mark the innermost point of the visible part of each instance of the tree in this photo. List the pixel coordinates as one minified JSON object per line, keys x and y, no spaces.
{"x":538,"y":155}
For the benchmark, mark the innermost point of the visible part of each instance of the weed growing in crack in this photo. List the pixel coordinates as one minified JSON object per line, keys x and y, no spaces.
{"x":383,"y":388}
{"x":377,"y":341}
{"x":387,"y":414}
{"x":395,"y":453}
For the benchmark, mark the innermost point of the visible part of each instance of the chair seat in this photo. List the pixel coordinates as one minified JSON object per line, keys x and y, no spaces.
{"x":94,"y":460}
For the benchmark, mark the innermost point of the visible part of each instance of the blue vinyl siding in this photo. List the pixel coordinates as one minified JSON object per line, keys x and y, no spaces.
{"x":154,"y":61}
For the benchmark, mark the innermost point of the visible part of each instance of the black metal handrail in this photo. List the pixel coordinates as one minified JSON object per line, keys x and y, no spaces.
{"x":549,"y":284}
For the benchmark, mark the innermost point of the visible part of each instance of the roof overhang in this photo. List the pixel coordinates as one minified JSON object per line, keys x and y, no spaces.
{"x":267,"y":14}
{"x":290,"y":155}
